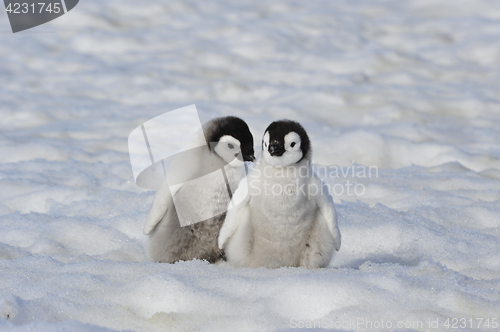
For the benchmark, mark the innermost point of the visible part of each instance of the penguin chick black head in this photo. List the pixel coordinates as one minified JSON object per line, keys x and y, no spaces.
{"x":230,"y":138}
{"x":285,"y":143}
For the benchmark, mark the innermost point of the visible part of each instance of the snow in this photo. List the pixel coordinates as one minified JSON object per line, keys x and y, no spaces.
{"x":405,"y":89}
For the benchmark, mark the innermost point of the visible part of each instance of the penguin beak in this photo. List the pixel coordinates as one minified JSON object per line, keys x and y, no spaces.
{"x":276,"y":150}
{"x":249,"y":158}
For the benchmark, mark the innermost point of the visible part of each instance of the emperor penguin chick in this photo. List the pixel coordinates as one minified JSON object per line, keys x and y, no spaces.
{"x":216,"y":167}
{"x":284,"y":214}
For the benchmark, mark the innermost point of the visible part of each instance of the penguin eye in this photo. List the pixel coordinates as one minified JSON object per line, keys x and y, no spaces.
{"x":293,"y":144}
{"x":229,"y":145}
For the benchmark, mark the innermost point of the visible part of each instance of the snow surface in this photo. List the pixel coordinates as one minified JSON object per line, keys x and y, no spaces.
{"x":411,"y":87}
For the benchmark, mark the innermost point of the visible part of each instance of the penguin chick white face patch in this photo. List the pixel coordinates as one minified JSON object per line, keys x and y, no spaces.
{"x":229,"y":149}
{"x":289,"y":151}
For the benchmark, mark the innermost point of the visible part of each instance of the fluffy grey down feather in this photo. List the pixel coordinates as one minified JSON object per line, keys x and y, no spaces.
{"x":197,"y":241}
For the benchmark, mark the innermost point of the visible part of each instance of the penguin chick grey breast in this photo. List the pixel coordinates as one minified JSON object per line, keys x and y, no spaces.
{"x":284,"y":214}
{"x":195,"y":192}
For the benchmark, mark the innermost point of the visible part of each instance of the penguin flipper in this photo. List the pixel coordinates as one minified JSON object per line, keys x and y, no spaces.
{"x":161,"y":203}
{"x":239,"y":202}
{"x":325,"y":204}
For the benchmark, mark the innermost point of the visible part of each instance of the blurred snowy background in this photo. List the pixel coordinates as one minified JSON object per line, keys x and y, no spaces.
{"x":411,"y":87}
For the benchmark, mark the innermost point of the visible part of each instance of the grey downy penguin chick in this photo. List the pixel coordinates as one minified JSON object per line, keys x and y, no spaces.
{"x":284,"y":214}
{"x":216,"y":167}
